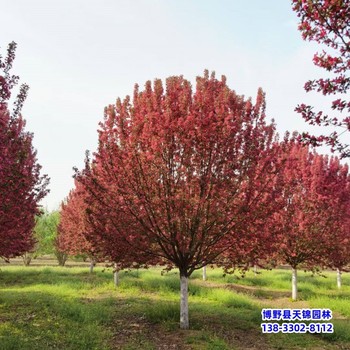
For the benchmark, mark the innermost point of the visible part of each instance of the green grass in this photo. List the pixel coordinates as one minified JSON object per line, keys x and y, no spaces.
{"x":67,"y":308}
{"x":43,"y":308}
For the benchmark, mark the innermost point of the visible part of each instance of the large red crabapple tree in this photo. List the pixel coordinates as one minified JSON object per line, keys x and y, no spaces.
{"x":178,"y":174}
{"x":314,"y":200}
{"x":335,"y":191}
{"x":21,"y":185}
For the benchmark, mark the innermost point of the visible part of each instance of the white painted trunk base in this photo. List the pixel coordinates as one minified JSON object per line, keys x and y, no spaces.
{"x":294,"y":284}
{"x":184,"y":319}
{"x":338,"y":278}
{"x":116,"y":275}
{"x":92,"y":264}
{"x":204,"y":273}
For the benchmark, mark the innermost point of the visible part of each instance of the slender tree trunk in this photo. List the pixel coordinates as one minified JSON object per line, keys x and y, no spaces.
{"x":184,"y":320}
{"x":339,"y":278}
{"x":294,"y":284}
{"x":26,"y":259}
{"x":116,"y":275}
{"x":255,"y":270}
{"x":92,"y":264}
{"x":204,"y":273}
{"x":61,"y":257}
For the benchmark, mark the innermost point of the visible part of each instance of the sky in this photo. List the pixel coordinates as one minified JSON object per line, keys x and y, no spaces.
{"x":79,"y":56}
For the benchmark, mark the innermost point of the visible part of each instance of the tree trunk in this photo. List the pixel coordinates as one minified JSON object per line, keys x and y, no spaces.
{"x":92,"y":264}
{"x":116,"y":275}
{"x":294,"y":284}
{"x":204,"y":273}
{"x":184,"y":320}
{"x":61,"y":257}
{"x":255,"y":270}
{"x":339,"y":278}
{"x":27,"y":259}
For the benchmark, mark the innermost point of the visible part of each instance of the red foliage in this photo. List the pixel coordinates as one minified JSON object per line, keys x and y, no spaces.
{"x":314,"y":190}
{"x":73,"y":225}
{"x":327,"y":22}
{"x":254,"y":241}
{"x":178,"y":174}
{"x":335,"y":190}
{"x":21,"y":186}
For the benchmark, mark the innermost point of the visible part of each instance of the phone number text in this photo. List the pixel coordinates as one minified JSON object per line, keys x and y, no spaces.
{"x":297,"y":328}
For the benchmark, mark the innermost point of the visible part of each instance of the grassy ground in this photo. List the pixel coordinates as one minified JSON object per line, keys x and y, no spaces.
{"x":67,"y":308}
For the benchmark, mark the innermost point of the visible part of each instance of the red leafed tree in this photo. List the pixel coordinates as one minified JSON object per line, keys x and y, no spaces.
{"x":175,"y":171}
{"x":327,"y":22}
{"x":335,"y":190}
{"x":74,"y":226}
{"x":303,"y":224}
{"x":21,"y":186}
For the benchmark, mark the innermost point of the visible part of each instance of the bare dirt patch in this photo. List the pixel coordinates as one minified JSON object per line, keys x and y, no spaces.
{"x":136,"y":330}
{"x":132,"y":331}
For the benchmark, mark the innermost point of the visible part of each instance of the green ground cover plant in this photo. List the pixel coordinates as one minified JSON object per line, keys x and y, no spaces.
{"x":68,"y":308}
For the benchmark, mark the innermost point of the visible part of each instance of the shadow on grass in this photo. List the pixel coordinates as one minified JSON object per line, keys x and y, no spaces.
{"x":213,"y":324}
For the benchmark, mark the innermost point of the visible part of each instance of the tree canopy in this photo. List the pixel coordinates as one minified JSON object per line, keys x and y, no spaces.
{"x":327,"y":22}
{"x":21,"y":185}
{"x":179,"y":176}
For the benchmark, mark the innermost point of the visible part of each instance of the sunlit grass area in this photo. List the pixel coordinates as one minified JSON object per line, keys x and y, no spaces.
{"x":68,"y":308}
